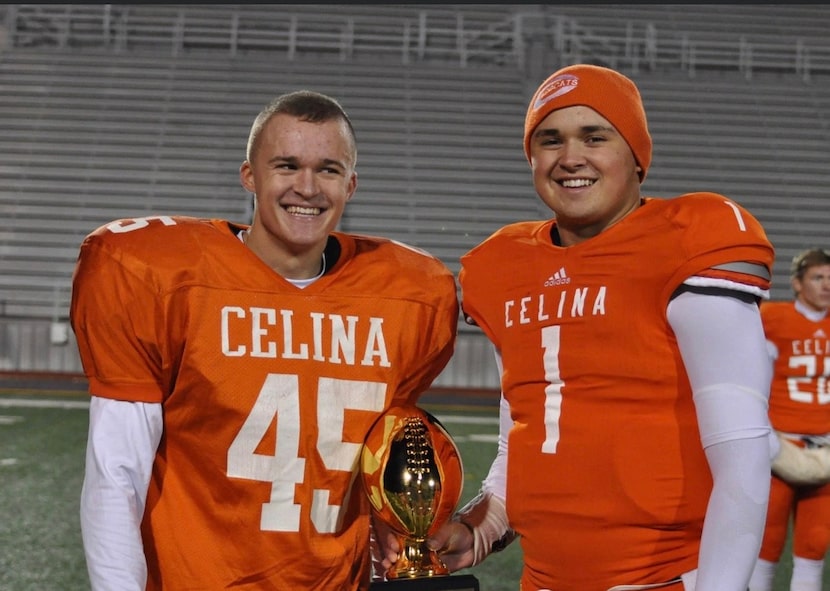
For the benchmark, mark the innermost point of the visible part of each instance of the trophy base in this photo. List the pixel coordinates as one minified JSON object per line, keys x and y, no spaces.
{"x":439,"y":583}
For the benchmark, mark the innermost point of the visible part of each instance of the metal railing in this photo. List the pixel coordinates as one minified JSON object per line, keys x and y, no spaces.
{"x":406,"y":35}
{"x":422,"y":35}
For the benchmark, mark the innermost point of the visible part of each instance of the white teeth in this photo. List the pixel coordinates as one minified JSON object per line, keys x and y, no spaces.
{"x":296,"y":209}
{"x":574,"y":183}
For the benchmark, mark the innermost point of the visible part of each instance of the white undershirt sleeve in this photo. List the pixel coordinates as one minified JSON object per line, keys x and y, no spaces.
{"x":123,"y":439}
{"x":721,"y":341}
{"x":486,"y":514}
{"x":496,"y":481}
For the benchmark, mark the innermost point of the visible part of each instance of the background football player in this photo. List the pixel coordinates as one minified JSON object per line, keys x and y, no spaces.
{"x":798,"y":338}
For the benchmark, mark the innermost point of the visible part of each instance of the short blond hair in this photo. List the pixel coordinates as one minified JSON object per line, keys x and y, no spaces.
{"x":812,"y":257}
{"x":305,"y":105}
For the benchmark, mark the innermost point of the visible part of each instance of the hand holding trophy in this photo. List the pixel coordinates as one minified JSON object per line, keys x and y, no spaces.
{"x":413,"y":476}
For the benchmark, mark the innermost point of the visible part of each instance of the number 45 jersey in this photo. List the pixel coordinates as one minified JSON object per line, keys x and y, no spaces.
{"x":607,"y":483}
{"x":268,"y":391}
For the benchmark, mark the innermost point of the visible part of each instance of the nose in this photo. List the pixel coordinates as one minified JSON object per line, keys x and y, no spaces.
{"x":305,"y":182}
{"x":571,"y":155}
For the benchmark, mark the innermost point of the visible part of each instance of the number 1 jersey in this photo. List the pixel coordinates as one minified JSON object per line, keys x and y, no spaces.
{"x":607,"y":483}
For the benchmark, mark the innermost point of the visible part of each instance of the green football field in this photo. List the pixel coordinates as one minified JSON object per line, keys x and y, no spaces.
{"x":42,"y":439}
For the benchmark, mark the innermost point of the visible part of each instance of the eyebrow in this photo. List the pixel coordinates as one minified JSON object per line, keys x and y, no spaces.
{"x":294,"y":160}
{"x":586,"y":129}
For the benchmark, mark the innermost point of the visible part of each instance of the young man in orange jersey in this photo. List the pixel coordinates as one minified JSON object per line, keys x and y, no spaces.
{"x":236,"y":370}
{"x":798,"y":339}
{"x":635,"y":444}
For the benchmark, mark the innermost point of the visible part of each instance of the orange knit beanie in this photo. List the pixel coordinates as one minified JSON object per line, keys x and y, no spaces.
{"x":606,"y":91}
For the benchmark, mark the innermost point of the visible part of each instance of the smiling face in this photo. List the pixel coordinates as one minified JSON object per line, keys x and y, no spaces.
{"x":302,"y":175}
{"x":584,"y":171}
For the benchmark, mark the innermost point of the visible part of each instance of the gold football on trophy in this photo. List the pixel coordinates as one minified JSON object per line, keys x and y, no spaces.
{"x":413,"y":476}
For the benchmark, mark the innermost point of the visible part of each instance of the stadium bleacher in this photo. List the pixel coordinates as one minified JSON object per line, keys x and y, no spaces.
{"x":111,"y":111}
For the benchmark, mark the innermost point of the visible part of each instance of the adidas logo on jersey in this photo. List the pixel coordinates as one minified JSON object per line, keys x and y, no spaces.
{"x":819,"y":334}
{"x":560,"y":277}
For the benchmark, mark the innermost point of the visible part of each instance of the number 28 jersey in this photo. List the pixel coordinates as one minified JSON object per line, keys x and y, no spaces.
{"x":268,"y":391}
{"x":607,"y":482}
{"x":799,"y":400}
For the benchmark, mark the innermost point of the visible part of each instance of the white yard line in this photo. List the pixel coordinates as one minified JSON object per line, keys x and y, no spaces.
{"x":448,"y":419}
{"x":9,"y":420}
{"x":466,"y":420}
{"x":39,"y":403}
{"x":84,"y":404}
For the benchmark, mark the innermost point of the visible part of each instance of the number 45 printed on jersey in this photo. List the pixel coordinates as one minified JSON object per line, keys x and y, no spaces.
{"x":280,"y":397}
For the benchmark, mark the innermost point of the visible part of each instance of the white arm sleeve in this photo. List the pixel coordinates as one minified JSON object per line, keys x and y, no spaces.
{"x":496,"y":481}
{"x":721,"y":341}
{"x":486,"y":514}
{"x":122,"y":443}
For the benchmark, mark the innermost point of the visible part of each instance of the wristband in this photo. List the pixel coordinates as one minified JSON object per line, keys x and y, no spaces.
{"x":486,"y":518}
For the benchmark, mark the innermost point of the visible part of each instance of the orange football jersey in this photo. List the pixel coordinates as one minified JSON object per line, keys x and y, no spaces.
{"x":607,"y":483}
{"x":268,"y":391}
{"x":800,"y":394}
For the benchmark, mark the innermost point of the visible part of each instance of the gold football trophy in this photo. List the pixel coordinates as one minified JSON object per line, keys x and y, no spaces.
{"x":413,"y":476}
